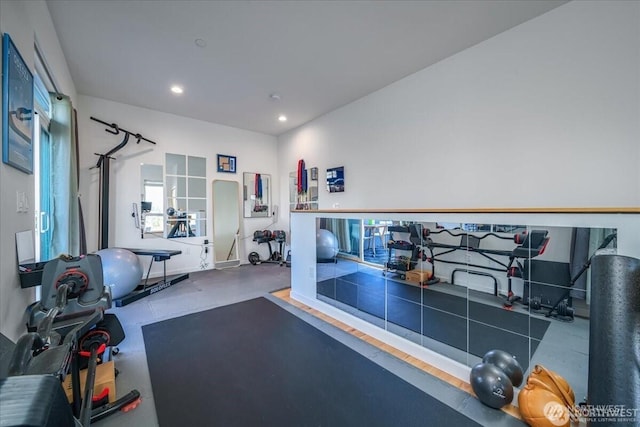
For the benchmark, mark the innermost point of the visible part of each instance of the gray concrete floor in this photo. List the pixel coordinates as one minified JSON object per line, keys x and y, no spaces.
{"x":210,"y":289}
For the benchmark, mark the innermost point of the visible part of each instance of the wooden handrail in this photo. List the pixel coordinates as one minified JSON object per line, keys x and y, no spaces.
{"x":530,"y":210}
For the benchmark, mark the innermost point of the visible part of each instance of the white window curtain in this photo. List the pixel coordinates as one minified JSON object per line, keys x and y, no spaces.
{"x":340,"y":228}
{"x":65,"y":221}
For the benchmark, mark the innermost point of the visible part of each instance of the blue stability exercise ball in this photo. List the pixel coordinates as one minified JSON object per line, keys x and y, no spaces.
{"x":121,"y":270}
{"x":326,"y":245}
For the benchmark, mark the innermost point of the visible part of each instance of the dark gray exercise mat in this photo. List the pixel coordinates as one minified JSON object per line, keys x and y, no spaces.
{"x":255,"y":364}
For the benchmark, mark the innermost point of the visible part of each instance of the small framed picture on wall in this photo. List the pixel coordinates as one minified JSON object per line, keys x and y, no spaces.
{"x":226,"y":163}
{"x":335,"y":180}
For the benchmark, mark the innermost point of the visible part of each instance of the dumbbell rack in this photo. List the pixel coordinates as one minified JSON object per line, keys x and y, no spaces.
{"x":268,"y":236}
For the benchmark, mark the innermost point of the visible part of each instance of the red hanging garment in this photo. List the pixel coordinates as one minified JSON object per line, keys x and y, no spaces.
{"x":300,"y":172}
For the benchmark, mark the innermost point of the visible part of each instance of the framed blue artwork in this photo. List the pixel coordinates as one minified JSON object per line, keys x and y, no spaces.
{"x":335,"y":180}
{"x":226,"y":163}
{"x":17,"y":108}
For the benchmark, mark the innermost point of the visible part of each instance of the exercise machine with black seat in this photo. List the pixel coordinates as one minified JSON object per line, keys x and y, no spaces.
{"x":66,"y":329}
{"x":268,"y":236}
{"x":528,"y":245}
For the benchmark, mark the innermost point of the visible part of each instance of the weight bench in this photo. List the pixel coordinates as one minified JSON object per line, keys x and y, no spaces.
{"x":144,"y":290}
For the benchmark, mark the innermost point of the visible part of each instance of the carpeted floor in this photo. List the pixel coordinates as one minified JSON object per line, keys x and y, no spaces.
{"x":255,"y":364}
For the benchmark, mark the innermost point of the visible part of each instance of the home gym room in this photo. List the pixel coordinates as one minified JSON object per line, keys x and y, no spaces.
{"x":327,"y":213}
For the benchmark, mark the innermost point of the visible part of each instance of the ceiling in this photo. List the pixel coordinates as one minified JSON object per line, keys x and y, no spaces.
{"x":316,"y":55}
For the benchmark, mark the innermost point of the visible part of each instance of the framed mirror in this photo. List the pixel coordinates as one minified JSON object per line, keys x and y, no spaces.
{"x":256,"y":195}
{"x":186,"y":196}
{"x":151,"y":200}
{"x":226,"y":223}
{"x":300,"y":198}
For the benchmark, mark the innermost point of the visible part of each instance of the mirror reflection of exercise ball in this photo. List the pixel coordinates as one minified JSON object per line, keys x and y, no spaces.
{"x":326,"y":244}
{"x":121,"y":270}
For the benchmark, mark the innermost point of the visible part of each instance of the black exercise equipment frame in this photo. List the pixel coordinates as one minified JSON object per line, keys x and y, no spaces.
{"x":143,"y":290}
{"x":554,"y":308}
{"x":104,"y":165}
{"x":66,"y":355}
{"x":523,"y":250}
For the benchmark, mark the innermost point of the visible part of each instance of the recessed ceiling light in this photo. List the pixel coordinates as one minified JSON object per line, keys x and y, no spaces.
{"x":200,"y":42}
{"x":282,"y":118}
{"x":177,"y":89}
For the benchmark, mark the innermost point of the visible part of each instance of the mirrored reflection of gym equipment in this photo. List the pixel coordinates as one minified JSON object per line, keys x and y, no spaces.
{"x":185,"y":190}
{"x":151,"y":200}
{"x":104,"y":165}
{"x":181,"y":226}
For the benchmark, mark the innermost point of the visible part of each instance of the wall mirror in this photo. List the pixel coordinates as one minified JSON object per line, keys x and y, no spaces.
{"x":303,"y":197}
{"x":226,"y":223}
{"x":151,"y":200}
{"x":463,"y":315}
{"x":186,"y":196}
{"x":256,"y":195}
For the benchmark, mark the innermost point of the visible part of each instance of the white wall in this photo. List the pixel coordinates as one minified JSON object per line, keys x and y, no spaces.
{"x":24,"y":22}
{"x":546,"y":114}
{"x":255,"y":153}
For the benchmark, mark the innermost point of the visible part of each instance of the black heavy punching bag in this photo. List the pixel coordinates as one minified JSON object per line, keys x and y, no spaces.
{"x":614,"y":337}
